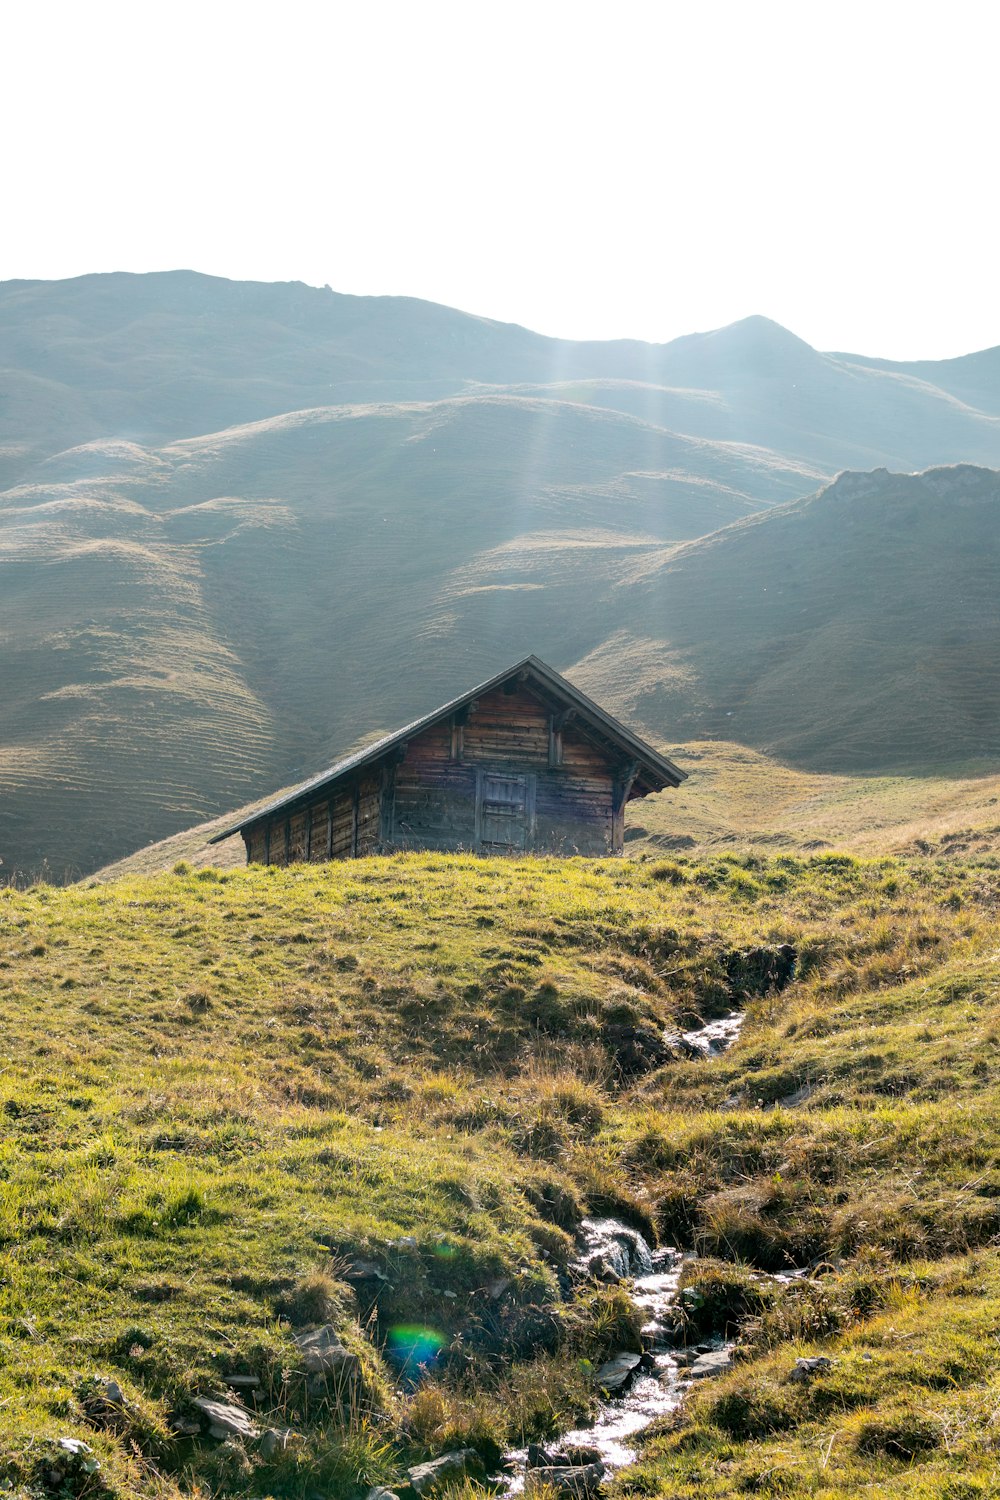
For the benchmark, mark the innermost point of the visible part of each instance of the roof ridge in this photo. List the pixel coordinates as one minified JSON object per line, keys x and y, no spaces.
{"x":654,"y":761}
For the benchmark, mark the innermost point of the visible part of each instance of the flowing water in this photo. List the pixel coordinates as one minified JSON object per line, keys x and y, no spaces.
{"x":653,"y":1391}
{"x":617,"y":1251}
{"x":715,"y":1037}
{"x":611,"y":1250}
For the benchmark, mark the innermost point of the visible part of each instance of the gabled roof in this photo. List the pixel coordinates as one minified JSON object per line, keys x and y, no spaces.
{"x":655,"y":771}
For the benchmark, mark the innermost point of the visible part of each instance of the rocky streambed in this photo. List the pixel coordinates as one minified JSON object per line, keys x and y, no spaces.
{"x":636,"y":1388}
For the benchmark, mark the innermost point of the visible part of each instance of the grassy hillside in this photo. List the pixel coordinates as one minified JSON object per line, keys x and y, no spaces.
{"x":735,"y":799}
{"x":243,"y":527}
{"x":171,"y":655}
{"x":233,"y":1103}
{"x":173,"y":354}
{"x":188,"y":626}
{"x":853,"y":630}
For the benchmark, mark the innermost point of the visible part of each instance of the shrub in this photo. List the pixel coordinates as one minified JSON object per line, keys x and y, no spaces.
{"x":601,"y":1322}
{"x":315,"y":1298}
{"x":903,"y":1436}
{"x":754,"y":1411}
{"x":716,"y":1297}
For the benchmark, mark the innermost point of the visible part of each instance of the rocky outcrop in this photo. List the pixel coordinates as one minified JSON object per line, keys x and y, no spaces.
{"x":425,"y":1478}
{"x":320,"y":1352}
{"x":226,"y":1420}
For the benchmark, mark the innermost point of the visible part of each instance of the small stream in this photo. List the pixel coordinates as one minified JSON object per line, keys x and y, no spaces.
{"x":657,"y":1380}
{"x":708,"y":1041}
{"x":640,"y":1388}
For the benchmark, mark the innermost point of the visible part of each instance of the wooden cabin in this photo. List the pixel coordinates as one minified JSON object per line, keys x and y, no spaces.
{"x":523,"y":763}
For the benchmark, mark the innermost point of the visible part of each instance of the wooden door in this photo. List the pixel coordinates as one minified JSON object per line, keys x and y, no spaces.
{"x":503,"y":811}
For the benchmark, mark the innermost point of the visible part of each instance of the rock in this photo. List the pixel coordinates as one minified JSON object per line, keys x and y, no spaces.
{"x":365,"y":1270}
{"x":576,"y":1457}
{"x":226,"y":1420}
{"x":613,"y":1250}
{"x":76,"y":1446}
{"x":424,"y":1477}
{"x":322,"y":1353}
{"x":381,"y":1493}
{"x":539,"y":1457}
{"x":706,"y":1365}
{"x":242,"y":1382}
{"x":637,"y":1049}
{"x":579,"y":1455}
{"x":618,"y":1371}
{"x":109,"y":1391}
{"x":580,"y":1480}
{"x":274,"y":1440}
{"x":805,"y":1370}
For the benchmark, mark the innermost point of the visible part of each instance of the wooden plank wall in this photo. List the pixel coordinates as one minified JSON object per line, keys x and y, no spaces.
{"x":435,"y":793}
{"x":427,"y":800}
{"x":340,"y":824}
{"x":434,"y":800}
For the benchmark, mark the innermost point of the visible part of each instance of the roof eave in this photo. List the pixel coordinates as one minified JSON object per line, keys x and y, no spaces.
{"x":657,"y":766}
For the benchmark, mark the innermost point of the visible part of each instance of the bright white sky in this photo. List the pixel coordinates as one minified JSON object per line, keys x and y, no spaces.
{"x":594,"y":170}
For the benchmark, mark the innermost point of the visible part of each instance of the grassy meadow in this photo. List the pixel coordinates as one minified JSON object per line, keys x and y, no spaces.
{"x":735,"y":798}
{"x":381,"y":1094}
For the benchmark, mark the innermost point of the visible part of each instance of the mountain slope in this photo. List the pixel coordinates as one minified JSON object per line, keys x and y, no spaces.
{"x":243,"y":527}
{"x":231,"y":646}
{"x":167,"y":355}
{"x":856,"y":629}
{"x":185,"y":626}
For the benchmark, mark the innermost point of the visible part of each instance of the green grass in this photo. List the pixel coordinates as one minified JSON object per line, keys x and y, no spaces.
{"x":738,"y":799}
{"x":221,"y":1089}
{"x":907,"y":1407}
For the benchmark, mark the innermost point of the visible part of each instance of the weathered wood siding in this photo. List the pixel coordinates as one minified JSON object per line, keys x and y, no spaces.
{"x":434,"y":805}
{"x":339,"y":824}
{"x":508,"y":772}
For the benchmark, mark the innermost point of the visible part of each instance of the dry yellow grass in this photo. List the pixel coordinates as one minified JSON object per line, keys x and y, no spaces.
{"x":736,"y":798}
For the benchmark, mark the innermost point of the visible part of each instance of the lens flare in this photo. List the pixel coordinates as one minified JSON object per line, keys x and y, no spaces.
{"x":413,"y":1347}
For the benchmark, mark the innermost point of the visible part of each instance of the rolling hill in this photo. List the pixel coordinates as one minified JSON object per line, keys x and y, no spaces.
{"x":244,"y":527}
{"x":364,"y":1108}
{"x":853,"y":630}
{"x":155,"y":357}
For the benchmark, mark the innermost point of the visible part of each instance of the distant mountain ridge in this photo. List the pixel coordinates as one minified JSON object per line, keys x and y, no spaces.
{"x":156,"y":357}
{"x":244,"y":526}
